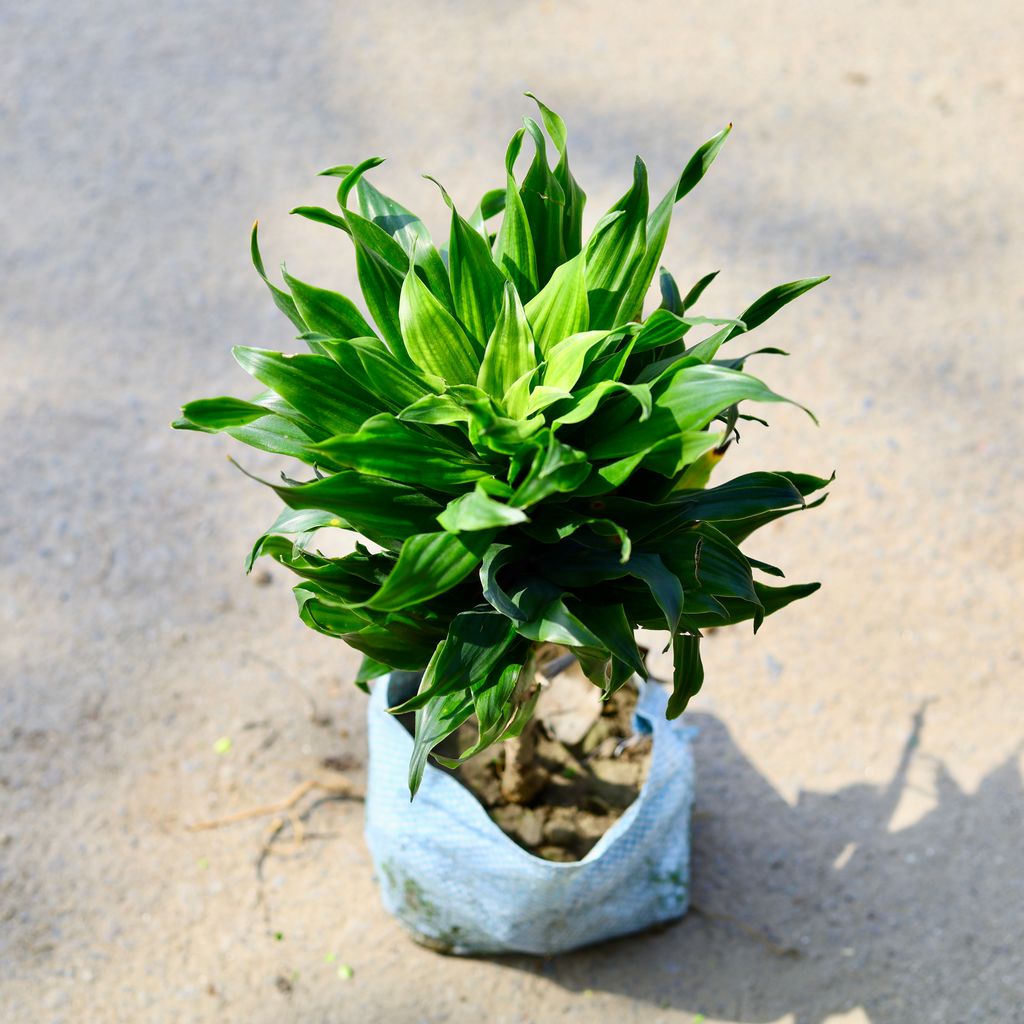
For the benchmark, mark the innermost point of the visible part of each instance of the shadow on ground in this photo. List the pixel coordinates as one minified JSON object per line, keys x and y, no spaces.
{"x":826,"y":909}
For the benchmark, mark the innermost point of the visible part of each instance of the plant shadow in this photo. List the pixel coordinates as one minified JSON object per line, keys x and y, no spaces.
{"x":826,"y":909}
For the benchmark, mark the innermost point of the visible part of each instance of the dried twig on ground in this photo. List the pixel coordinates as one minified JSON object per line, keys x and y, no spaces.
{"x":338,"y":788}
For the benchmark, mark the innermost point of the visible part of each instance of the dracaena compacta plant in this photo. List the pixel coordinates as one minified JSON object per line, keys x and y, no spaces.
{"x":527,"y":455}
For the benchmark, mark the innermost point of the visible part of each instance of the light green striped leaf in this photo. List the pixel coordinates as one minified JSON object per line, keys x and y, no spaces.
{"x":561,"y":308}
{"x":434,"y":339}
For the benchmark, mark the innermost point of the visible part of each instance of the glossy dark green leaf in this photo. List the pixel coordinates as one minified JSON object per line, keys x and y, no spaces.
{"x":671,"y":300}
{"x":476,"y":643}
{"x":772,"y":301}
{"x":663,"y":327}
{"x":556,"y":468}
{"x":609,"y":624}
{"x":586,"y":403}
{"x":406,"y":228}
{"x":658,"y":225}
{"x":687,"y":672}
{"x":389,"y":644}
{"x":382,"y":266}
{"x":747,"y":495}
{"x":298,"y":525}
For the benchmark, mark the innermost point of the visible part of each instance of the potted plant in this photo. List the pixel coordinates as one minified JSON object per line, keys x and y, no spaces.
{"x":526,"y":459}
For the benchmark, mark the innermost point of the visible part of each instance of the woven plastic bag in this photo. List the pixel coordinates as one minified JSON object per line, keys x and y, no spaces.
{"x":459,"y":884}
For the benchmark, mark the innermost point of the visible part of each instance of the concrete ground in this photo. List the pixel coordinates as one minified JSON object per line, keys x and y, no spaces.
{"x":859,"y":836}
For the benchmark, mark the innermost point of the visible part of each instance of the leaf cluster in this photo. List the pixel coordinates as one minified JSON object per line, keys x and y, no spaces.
{"x":526,"y":455}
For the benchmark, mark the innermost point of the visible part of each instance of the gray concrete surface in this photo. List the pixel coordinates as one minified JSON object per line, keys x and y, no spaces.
{"x":850,"y":866}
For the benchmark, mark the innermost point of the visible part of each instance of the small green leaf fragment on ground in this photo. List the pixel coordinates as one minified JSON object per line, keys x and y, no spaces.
{"x":222,"y":745}
{"x":699,"y":1019}
{"x":203,"y":863}
{"x":329,"y":958}
{"x":279,"y":936}
{"x":345,"y":972}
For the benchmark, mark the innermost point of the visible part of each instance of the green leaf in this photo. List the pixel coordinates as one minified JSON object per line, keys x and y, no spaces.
{"x":382,"y":266}
{"x":707,"y":560}
{"x":475,"y":645}
{"x":544,"y":203}
{"x":686,"y":401}
{"x":440,"y":718}
{"x":375,"y":507}
{"x":327,"y":312}
{"x":321,"y":216}
{"x":609,"y":624}
{"x":663,"y":584}
{"x":491,"y":204}
{"x":560,"y":308}
{"x":662,"y":328}
{"x":670,"y":297}
{"x":406,"y":228}
{"x":477,"y":284}
{"x":572,"y":195}
{"x":298,"y":523}
{"x":658,"y":225}
{"x":513,"y":248}
{"x":434,"y":339}
{"x":315,"y":385}
{"x":400,"y":646}
{"x":369,"y":670}
{"x":511,"y":350}
{"x":555,"y":468}
{"x":587,"y":401}
{"x":216,"y":414}
{"x":389,"y":447}
{"x":697,"y":291}
{"x":615,"y":250}
{"x":687,"y":672}
{"x":428,"y":565}
{"x":747,"y":495}
{"x":282,"y":300}
{"x":479,"y":511}
{"x":772,"y":301}
{"x":567,"y":360}
{"x":395,"y":384}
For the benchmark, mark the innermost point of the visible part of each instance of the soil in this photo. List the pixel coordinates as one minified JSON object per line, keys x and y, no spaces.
{"x":584,"y":787}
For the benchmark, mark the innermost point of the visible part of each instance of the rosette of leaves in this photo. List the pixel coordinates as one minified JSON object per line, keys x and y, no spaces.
{"x":526,"y":454}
